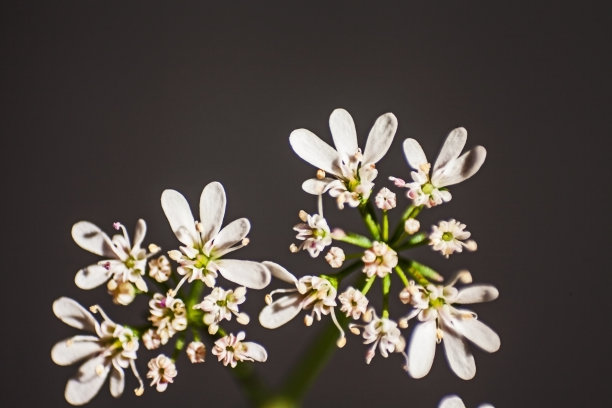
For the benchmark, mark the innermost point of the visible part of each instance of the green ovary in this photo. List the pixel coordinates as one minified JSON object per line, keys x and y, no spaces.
{"x":447,"y":236}
{"x":201,"y":261}
{"x":427,"y":188}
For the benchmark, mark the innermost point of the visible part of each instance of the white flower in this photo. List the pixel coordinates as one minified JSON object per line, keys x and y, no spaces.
{"x":310,"y":292}
{"x":386,"y":199}
{"x":220,"y":305}
{"x":411,"y":226}
{"x":159,"y":268}
{"x":449,"y":168}
{"x":205,"y":242}
{"x":168,"y":315}
{"x":161,"y":372}
{"x":314,"y":231}
{"x":125,"y":262}
{"x":335,"y":257}
{"x":379,"y":260}
{"x":231,"y":349}
{"x":123,"y":293}
{"x":453,"y":401}
{"x":449,"y":237}
{"x":381,"y":332}
{"x":440,"y":321}
{"x":196,"y":351}
{"x":151,"y":339}
{"x":110,"y":350}
{"x":353,"y":303}
{"x":353,"y":171}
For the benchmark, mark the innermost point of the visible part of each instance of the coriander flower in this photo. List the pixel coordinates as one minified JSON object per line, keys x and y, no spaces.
{"x":160,"y":269}
{"x":449,"y":237}
{"x":110,"y":350}
{"x":381,"y":332}
{"x":310,"y":292}
{"x":386,"y":199}
{"x":168,"y":315}
{"x":335,"y":257}
{"x":196,"y":351}
{"x":449,"y":169}
{"x":161,"y":372}
{"x":379,"y":260}
{"x":440,"y":321}
{"x":231,"y":349}
{"x":353,"y":303}
{"x":314,"y":231}
{"x":125,"y":262}
{"x":411,"y":226}
{"x":205,"y":243}
{"x":123,"y":293}
{"x":353,"y":171}
{"x":453,"y":401}
{"x":220,"y":305}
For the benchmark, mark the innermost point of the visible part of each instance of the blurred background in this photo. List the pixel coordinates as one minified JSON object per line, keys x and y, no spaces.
{"x":106,"y":104}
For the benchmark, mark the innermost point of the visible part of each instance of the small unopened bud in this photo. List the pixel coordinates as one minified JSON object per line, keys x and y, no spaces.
{"x":196,"y":351}
{"x":464,"y":276}
{"x":154,"y":248}
{"x":355,"y":330}
{"x":411,"y":226}
{"x":367,"y":316}
{"x":320,"y":174}
{"x":338,"y":233}
{"x":293,"y":248}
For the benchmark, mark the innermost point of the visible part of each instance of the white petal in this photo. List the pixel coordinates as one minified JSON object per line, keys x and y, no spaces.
{"x":255,"y":351}
{"x":310,"y":148}
{"x":422,"y":349}
{"x":380,"y":138}
{"x":452,"y":147}
{"x":251,"y":274}
{"x":92,"y":276}
{"x":91,"y":238}
{"x":179,"y":216}
{"x":212,"y":210}
{"x":461,"y":168}
{"x":231,"y":234}
{"x":478,"y":333}
{"x":81,"y":389}
{"x":73,"y":314}
{"x":117,"y":382}
{"x":414,"y":154}
{"x":476,"y":294}
{"x":139,"y":233}
{"x":458,"y":355}
{"x":343,"y":132}
{"x":69,"y":351}
{"x":280,"y":273}
{"x":451,"y":401}
{"x":280,"y":311}
{"x":315,"y":186}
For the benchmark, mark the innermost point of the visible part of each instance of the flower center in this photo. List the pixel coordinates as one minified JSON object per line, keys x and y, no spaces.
{"x":130,"y":262}
{"x":201,"y":261}
{"x":436,"y":303}
{"x":447,"y":236}
{"x":427,"y":188}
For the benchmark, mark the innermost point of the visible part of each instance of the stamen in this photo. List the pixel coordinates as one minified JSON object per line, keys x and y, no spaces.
{"x":308,"y":319}
{"x":106,"y":265}
{"x":175,"y":291}
{"x":140,"y":390}
{"x":100,"y":370}
{"x":268,"y":299}
{"x":294,"y":248}
{"x":199,"y":226}
{"x":320,"y":174}
{"x":303,"y":215}
{"x":153,"y":249}
{"x":342,"y":339}
{"x":119,"y":226}
{"x":471,"y":245}
{"x":243,"y":318}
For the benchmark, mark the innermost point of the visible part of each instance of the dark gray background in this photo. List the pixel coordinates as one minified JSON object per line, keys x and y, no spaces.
{"x":105,"y":104}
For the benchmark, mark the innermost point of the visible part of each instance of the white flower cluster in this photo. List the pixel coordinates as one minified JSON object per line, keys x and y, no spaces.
{"x":381,"y":256}
{"x":201,"y":260}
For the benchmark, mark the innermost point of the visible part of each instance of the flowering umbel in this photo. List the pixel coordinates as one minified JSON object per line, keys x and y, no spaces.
{"x":197,"y":291}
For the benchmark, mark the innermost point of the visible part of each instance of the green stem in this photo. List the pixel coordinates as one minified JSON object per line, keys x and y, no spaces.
{"x":367,"y":213}
{"x":385,"y":227}
{"x":411,"y":212}
{"x":355,"y":239}
{"x":368,"y":284}
{"x":413,"y":242}
{"x":401,"y":275}
{"x":386,"y":286}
